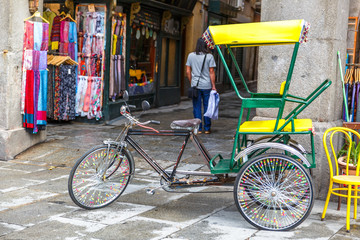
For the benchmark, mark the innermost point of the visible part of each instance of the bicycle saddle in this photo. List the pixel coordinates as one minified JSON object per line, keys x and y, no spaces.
{"x":185,"y":124}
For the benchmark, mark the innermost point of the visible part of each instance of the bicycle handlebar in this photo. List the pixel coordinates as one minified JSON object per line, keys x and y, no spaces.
{"x":134,"y":120}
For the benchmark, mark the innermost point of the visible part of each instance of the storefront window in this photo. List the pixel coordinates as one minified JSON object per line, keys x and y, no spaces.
{"x":142,"y":55}
{"x":144,"y":39}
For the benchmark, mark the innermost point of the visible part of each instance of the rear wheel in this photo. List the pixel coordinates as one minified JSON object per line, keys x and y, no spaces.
{"x":100,"y":176}
{"x":274,"y":192}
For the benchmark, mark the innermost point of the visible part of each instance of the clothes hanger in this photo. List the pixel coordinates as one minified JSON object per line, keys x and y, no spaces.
{"x":68,"y":16}
{"x":36,"y":14}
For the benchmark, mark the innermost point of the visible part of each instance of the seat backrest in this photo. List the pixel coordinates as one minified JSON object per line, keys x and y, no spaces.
{"x":282,"y":88}
{"x":349,"y":139}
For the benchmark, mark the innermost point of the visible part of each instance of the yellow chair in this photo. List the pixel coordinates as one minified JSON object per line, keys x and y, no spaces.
{"x":347,"y":183}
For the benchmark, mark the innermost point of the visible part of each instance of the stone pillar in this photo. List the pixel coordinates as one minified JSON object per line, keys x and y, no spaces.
{"x":13,"y":137}
{"x":316,"y":61}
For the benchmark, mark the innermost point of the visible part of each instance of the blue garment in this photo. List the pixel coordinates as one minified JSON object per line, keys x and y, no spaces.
{"x":38,"y":32}
{"x":42,"y":100}
{"x":202,"y":99}
{"x":73,"y":39}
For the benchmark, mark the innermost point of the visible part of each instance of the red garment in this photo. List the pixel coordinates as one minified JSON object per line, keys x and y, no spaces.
{"x":82,"y":67}
{"x":29,"y":35}
{"x":29,"y":100}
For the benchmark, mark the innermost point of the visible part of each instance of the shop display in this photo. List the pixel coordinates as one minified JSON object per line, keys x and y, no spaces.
{"x":68,"y":37}
{"x":63,"y":38}
{"x":117,"y":66}
{"x":91,"y":45}
{"x":34,"y":77}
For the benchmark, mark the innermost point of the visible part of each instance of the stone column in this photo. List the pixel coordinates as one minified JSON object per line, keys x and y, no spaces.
{"x":316,"y":61}
{"x":13,"y":137}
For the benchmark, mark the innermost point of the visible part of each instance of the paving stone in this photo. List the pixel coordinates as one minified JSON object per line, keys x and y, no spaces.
{"x":6,"y":228}
{"x":57,"y":184}
{"x":23,"y":197}
{"x":20,"y":183}
{"x":115,"y":213}
{"x":345,"y":236}
{"x":22,"y":168}
{"x":35,"y":213}
{"x":57,"y":228}
{"x":159,"y":198}
{"x":190,"y":207}
{"x":225,"y":224}
{"x":138,"y":228}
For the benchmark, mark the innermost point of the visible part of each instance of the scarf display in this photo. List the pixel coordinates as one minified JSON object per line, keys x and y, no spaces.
{"x":90,"y":45}
{"x":35,"y":76}
{"x":117,"y":66}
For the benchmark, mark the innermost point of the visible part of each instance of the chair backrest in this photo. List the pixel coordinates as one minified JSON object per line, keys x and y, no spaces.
{"x":351,"y":140}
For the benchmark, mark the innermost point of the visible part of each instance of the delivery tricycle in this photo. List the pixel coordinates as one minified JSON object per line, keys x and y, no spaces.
{"x":273,"y":189}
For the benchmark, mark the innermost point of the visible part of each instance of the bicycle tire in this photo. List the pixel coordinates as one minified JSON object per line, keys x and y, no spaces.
{"x":90,"y":188}
{"x":274,"y":192}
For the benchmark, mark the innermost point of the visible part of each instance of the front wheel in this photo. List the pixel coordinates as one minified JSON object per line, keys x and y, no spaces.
{"x":274,"y":192}
{"x":100,"y":176}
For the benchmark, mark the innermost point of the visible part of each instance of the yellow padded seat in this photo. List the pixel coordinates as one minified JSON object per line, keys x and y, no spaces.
{"x":301,"y":125}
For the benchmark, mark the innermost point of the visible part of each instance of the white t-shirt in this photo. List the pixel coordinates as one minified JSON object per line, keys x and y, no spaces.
{"x":195,"y":62}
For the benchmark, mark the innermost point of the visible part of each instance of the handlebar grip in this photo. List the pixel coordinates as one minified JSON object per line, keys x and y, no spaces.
{"x":155,"y":122}
{"x":131,"y":106}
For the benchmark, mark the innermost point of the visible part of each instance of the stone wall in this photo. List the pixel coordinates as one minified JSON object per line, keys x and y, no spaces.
{"x":316,"y":61}
{"x":13,"y":137}
{"x":354,"y":10}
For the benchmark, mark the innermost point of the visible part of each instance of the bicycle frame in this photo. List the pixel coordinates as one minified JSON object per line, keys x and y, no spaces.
{"x":170,"y":177}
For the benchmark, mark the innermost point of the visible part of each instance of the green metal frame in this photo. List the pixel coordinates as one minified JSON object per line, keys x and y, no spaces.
{"x":266,"y":100}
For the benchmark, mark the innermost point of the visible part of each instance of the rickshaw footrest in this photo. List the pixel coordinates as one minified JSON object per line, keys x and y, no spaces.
{"x":223,"y":167}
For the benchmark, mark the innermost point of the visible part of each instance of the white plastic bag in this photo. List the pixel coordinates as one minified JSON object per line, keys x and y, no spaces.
{"x":213,"y":105}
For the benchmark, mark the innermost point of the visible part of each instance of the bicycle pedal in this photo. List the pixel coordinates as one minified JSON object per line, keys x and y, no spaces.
{"x":150,"y":191}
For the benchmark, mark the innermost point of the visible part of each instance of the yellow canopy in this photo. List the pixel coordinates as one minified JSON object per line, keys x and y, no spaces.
{"x":258,"y":33}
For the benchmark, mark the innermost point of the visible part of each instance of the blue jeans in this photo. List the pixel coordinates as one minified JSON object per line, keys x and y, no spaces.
{"x":204,"y":95}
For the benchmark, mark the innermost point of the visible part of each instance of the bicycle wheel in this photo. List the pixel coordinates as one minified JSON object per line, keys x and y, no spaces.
{"x":100,"y":176}
{"x":274,"y":192}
